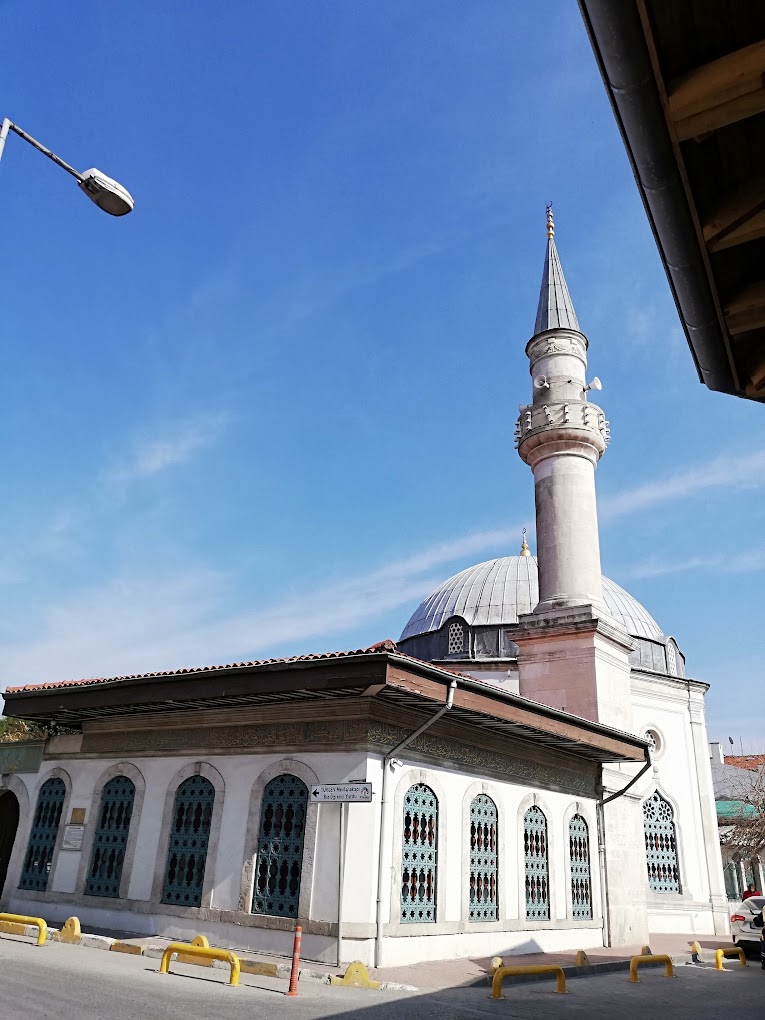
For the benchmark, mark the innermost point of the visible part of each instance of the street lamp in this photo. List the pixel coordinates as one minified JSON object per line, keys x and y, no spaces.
{"x":108,"y":194}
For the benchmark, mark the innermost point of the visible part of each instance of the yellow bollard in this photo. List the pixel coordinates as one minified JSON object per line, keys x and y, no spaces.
{"x":542,"y":968}
{"x":636,"y":961}
{"x":203,"y":952}
{"x":23,"y":919}
{"x":70,"y":933}
{"x":733,"y":951}
{"x":198,"y":940}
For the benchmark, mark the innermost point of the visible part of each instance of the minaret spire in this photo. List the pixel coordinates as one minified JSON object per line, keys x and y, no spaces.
{"x":561,"y":436}
{"x":555,"y":309}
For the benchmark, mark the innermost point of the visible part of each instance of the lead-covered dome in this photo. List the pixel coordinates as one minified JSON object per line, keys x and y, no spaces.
{"x":469,"y":616}
{"x":497,"y":591}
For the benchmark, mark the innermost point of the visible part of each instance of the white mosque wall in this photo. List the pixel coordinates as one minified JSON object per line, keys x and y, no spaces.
{"x":674,"y":712}
{"x":224,"y":914}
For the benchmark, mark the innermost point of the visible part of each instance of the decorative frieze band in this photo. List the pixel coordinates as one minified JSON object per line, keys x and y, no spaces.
{"x":368,"y":734}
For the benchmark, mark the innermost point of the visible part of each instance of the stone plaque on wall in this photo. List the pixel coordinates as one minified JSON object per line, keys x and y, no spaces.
{"x":73,"y":837}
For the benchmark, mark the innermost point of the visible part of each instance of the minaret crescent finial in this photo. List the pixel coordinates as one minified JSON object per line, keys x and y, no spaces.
{"x":525,"y":551}
{"x":550,"y":224}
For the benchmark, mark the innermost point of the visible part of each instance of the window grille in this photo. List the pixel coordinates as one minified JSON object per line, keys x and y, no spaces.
{"x":42,"y":838}
{"x":671,"y":658}
{"x":419,"y":855}
{"x":484,"y":857}
{"x":456,"y":638}
{"x":189,"y":836}
{"x":279,"y":863}
{"x":535,"y":851}
{"x":579,"y":855}
{"x":110,"y":839}
{"x":660,"y":845}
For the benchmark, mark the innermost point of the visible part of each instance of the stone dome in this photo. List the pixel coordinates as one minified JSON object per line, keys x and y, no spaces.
{"x":495,"y":592}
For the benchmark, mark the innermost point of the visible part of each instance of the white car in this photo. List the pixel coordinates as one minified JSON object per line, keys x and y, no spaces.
{"x":745,"y":933}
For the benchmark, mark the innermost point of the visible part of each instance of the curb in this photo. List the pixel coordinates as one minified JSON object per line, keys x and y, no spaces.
{"x":593,"y":969}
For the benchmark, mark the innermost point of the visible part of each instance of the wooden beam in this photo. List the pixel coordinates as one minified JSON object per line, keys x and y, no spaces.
{"x":739,"y":217}
{"x":746,"y":310}
{"x":719,"y":93}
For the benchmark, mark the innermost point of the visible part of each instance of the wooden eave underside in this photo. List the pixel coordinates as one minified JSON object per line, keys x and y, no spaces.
{"x":326,"y":690}
{"x":708,"y":58}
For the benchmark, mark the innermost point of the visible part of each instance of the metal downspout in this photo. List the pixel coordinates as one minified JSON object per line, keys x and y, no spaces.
{"x":602,"y":843}
{"x":387,"y":767}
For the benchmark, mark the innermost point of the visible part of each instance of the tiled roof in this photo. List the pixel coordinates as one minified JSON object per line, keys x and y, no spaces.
{"x":381,"y":646}
{"x":745,"y":761}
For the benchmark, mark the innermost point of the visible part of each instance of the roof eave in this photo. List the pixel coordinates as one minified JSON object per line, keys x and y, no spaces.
{"x":618,"y":42}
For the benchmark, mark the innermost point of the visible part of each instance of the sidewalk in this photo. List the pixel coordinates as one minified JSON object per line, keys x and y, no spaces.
{"x":443,"y":974}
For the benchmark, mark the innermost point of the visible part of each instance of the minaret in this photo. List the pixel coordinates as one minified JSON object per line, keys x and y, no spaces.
{"x":561,"y":436}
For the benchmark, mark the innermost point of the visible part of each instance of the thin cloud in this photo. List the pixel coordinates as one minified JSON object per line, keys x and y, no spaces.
{"x":741,"y":563}
{"x":141,"y":624}
{"x":746,"y":471}
{"x":154,"y":454}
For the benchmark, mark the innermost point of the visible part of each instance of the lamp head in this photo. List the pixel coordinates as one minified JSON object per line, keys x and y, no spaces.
{"x":107,"y":193}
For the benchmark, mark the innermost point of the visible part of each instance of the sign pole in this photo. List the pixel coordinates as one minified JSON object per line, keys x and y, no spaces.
{"x":340,"y":885}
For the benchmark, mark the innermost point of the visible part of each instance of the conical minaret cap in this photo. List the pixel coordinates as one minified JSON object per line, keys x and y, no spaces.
{"x":555,"y":309}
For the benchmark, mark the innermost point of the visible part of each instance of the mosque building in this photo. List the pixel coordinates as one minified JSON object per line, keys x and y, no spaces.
{"x":536,"y":751}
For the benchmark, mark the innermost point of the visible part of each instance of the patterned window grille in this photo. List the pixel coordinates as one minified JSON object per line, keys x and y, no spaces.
{"x":110,"y":839}
{"x":671,"y":658}
{"x":456,"y":638}
{"x":484,"y":857}
{"x":189,"y":836}
{"x":661,"y":845}
{"x":419,"y":856}
{"x":579,"y":855}
{"x":535,"y":850}
{"x":42,"y":838}
{"x":279,"y":864}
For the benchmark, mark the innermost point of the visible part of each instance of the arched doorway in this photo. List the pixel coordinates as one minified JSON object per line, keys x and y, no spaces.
{"x":9,"y":821}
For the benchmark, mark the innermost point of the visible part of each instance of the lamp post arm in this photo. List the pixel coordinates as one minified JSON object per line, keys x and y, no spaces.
{"x":8,"y":126}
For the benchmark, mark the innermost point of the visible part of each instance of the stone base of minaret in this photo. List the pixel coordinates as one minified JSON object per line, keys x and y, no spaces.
{"x":577,"y":659}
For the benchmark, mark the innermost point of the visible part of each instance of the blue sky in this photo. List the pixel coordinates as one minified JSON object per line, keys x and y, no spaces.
{"x":270,"y":410}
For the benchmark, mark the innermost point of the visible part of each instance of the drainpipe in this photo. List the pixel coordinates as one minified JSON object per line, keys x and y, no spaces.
{"x":388,"y":765}
{"x":602,"y":843}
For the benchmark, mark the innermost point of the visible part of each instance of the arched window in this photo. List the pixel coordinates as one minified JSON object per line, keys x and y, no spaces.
{"x":419,"y":855}
{"x":110,"y":839}
{"x":535,"y":851}
{"x":279,"y":863}
{"x":660,"y":845}
{"x":42,"y":838}
{"x":579,"y":855}
{"x":671,"y":658}
{"x":189,"y":836}
{"x":456,"y":638}
{"x":484,"y":858}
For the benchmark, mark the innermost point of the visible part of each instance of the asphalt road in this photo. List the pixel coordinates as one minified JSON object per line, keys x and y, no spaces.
{"x":57,"y":981}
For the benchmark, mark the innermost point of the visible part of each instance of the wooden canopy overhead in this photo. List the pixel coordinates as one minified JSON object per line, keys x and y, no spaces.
{"x":686,"y":80}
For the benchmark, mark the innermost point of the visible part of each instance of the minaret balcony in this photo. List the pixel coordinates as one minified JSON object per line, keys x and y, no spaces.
{"x":576,"y":421}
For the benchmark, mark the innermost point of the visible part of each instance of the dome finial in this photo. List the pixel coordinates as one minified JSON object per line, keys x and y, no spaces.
{"x":550,"y":224}
{"x":525,"y":551}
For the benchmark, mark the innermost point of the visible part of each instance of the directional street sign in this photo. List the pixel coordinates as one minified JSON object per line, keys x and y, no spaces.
{"x":342,"y":793}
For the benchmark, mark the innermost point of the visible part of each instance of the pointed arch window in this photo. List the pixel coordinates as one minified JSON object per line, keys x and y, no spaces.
{"x":279,"y":863}
{"x":579,"y":856}
{"x":535,"y":850}
{"x":189,"y":836}
{"x":484,"y":860}
{"x":419,"y":855}
{"x":661,"y":845}
{"x":110,"y":839}
{"x":42,"y":838}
